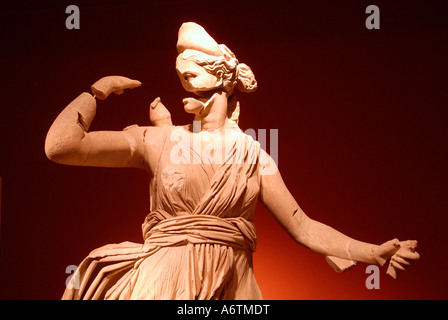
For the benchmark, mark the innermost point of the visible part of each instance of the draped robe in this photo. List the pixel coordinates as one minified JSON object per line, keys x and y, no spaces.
{"x":199,"y":235}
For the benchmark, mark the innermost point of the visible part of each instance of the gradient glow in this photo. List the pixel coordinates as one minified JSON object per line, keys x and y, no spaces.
{"x":360,"y":115}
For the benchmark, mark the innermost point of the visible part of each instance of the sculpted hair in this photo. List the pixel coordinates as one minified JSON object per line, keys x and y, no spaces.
{"x":234,"y":75}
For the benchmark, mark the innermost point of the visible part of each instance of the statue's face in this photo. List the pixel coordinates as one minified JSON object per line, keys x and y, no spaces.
{"x":195,"y":78}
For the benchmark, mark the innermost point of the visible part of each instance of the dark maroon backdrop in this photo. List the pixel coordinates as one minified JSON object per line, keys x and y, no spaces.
{"x":361,"y":117}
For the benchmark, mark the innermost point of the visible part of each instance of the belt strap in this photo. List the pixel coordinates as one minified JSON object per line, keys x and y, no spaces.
{"x":198,"y":229}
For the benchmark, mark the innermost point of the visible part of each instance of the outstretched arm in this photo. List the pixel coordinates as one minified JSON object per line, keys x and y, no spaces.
{"x":69,"y":141}
{"x":322,"y":238}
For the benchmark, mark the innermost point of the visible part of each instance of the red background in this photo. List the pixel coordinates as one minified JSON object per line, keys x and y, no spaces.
{"x":361,"y":118}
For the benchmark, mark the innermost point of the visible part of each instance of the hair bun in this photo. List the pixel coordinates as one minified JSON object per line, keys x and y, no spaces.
{"x":246,"y":79}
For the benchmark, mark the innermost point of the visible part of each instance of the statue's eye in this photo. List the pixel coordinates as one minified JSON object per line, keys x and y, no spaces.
{"x":189,"y":75}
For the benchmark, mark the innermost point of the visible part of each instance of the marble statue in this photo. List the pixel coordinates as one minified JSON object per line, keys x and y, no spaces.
{"x":199,"y":236}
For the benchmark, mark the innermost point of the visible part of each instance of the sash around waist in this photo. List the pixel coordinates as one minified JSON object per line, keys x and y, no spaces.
{"x":199,"y":229}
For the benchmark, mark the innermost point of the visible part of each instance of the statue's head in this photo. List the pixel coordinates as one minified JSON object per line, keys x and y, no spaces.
{"x":205,"y":66}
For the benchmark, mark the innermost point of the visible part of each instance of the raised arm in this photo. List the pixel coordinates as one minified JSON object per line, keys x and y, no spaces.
{"x":324,"y":239}
{"x":69,"y":141}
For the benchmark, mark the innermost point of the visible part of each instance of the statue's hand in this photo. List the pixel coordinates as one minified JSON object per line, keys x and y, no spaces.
{"x":403,"y":258}
{"x":116,"y":84}
{"x":401,"y":255}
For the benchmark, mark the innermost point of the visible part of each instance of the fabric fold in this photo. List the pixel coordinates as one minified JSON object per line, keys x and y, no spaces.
{"x":198,"y":238}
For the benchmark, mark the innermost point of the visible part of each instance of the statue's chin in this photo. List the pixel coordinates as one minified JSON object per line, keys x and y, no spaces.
{"x":198,"y":105}
{"x":192,"y":105}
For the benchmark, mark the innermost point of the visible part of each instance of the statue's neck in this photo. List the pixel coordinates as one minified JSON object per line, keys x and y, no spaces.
{"x":214,"y":116}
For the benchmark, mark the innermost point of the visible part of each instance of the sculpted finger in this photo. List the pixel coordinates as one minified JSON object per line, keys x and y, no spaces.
{"x":401,"y":261}
{"x":159,"y":114}
{"x":395,"y":268}
{"x":386,"y":250}
{"x":392,"y":271}
{"x":155,"y":103}
{"x":397,"y":265}
{"x":406,"y":254}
